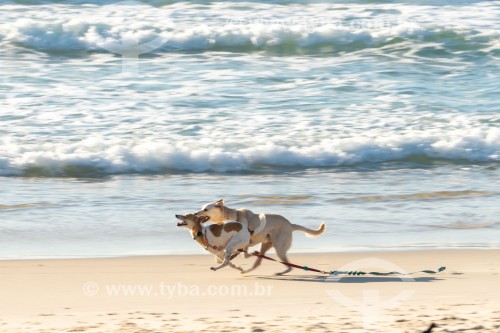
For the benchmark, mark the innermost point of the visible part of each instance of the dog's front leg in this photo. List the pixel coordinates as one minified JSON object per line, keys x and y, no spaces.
{"x":245,"y":252}
{"x":236,"y":267}
{"x":231,"y":246}
{"x":227,"y":258}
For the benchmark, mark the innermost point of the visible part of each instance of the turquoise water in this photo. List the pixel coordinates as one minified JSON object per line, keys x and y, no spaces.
{"x":381,"y":120}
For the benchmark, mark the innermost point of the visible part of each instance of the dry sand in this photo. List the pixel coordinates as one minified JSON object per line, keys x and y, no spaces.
{"x":181,"y":294}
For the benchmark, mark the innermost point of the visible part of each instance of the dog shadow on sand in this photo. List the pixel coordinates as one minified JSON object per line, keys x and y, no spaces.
{"x":347,"y":279}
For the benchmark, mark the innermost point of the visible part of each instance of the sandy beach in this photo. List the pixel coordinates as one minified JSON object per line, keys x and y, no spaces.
{"x":181,"y":294}
{"x":379,"y":119}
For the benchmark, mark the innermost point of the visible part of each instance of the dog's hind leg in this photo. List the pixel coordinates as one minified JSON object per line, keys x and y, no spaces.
{"x":283,"y":258}
{"x":263,"y":249}
{"x":281,"y":246}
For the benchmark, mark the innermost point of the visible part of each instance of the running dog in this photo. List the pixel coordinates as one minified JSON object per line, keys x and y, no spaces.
{"x":271,"y":230}
{"x":223,"y":240}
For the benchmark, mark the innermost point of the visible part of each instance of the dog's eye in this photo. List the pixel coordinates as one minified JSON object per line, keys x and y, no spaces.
{"x":205,"y":210}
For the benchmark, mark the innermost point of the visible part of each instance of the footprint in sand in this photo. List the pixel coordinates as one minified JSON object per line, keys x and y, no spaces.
{"x":82,"y":328}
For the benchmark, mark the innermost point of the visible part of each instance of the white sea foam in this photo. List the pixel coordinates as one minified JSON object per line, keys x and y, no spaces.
{"x":97,"y":157}
{"x":187,"y":27}
{"x":222,"y":112}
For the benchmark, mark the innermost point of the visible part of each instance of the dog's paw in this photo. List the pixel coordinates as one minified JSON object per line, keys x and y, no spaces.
{"x":282,"y":273}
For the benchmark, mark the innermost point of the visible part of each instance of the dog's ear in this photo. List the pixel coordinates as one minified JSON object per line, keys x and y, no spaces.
{"x":180,"y":217}
{"x":201,"y":219}
{"x":219,"y":203}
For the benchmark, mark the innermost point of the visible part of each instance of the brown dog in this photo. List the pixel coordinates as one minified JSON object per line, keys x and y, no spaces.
{"x":271,"y":230}
{"x":223,"y":240}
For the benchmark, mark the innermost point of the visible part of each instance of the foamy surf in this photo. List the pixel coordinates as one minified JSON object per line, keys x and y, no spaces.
{"x":107,"y":157}
{"x":70,"y":36}
{"x":324,"y":28}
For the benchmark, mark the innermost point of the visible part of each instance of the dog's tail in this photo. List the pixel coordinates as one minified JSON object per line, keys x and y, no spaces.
{"x":310,"y":232}
{"x":262,"y":225}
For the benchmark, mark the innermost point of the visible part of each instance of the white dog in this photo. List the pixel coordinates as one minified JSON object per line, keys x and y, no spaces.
{"x":223,"y":240}
{"x":271,"y":230}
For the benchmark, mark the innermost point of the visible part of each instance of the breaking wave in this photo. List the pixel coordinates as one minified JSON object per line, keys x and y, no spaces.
{"x":100,"y":157}
{"x":128,"y":28}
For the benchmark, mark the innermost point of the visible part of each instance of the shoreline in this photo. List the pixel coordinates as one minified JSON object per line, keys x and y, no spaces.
{"x":291,"y":252}
{"x":181,"y":294}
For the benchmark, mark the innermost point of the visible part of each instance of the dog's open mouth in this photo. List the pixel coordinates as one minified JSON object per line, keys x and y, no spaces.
{"x":181,"y":224}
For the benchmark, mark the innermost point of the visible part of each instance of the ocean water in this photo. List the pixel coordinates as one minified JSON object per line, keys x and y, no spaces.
{"x":381,"y":119}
